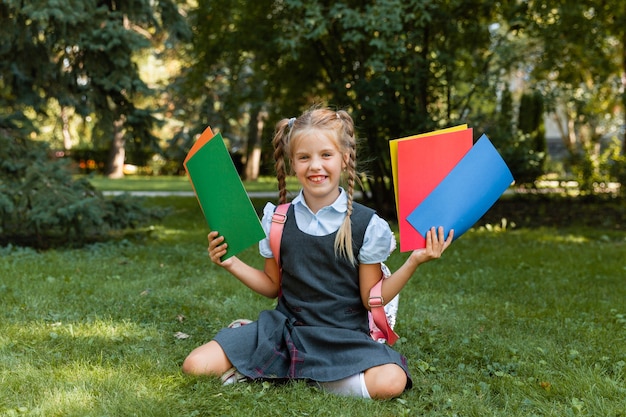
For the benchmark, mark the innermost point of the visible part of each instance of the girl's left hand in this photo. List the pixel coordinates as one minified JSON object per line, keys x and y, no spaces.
{"x":436,"y":244}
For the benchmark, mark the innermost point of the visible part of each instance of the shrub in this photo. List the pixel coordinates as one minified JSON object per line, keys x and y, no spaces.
{"x":523,"y":147}
{"x":42,"y":205}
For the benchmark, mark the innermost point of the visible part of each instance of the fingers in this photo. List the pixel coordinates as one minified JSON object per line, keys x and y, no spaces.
{"x":217,"y":247}
{"x":436,"y":242}
{"x":449,"y":239}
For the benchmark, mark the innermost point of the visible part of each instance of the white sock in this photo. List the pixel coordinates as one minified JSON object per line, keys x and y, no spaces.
{"x":352,"y":386}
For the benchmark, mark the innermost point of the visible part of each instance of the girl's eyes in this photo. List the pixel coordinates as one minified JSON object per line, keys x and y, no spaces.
{"x":324,"y":155}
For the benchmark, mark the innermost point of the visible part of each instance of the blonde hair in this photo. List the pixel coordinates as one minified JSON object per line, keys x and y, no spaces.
{"x":342,"y":125}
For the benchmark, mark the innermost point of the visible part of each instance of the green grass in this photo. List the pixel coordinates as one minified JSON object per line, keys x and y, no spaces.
{"x":175,"y":183}
{"x":141,"y":183}
{"x":519,"y":322}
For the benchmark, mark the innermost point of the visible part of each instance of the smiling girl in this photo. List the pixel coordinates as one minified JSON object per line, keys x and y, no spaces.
{"x":330,"y":258}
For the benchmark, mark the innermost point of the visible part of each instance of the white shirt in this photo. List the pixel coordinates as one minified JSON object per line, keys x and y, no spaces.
{"x":378,"y":243}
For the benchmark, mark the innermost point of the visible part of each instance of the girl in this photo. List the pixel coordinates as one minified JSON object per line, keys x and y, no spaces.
{"x":331,"y":253}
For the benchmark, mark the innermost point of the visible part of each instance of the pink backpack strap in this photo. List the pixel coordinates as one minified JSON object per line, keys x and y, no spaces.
{"x":276,"y":230}
{"x":377,"y":310}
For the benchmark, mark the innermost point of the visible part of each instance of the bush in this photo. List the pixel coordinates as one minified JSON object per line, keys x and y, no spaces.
{"x":42,"y":205}
{"x":523,"y":147}
{"x":593,"y":168}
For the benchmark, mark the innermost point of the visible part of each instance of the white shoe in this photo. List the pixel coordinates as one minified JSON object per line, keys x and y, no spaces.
{"x":239,"y":323}
{"x":233,"y":376}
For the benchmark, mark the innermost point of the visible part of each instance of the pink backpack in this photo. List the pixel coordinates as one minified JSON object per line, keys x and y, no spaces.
{"x":380,"y":327}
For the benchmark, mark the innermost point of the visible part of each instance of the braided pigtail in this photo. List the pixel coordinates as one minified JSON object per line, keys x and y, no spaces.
{"x":343,"y":241}
{"x":281,"y":136}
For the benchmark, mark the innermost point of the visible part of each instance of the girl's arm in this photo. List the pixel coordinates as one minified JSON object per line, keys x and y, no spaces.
{"x":369,"y":274}
{"x":266,"y":282}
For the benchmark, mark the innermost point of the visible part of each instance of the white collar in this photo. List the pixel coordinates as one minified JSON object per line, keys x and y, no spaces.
{"x":340,"y":205}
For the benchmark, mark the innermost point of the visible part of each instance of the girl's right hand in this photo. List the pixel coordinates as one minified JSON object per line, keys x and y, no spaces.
{"x":217,"y":249}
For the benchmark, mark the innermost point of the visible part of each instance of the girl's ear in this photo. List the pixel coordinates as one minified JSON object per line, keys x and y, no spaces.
{"x":346,"y":158}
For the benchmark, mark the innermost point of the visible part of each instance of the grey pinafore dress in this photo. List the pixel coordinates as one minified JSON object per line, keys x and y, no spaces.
{"x":319,"y":329}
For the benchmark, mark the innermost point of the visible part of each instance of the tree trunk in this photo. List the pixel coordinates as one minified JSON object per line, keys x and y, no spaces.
{"x":568,"y":135}
{"x":117,"y":155}
{"x":624,"y":91}
{"x":67,"y":137}
{"x":253,"y":159}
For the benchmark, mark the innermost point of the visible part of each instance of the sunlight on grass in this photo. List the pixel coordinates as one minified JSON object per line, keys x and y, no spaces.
{"x":75,"y":396}
{"x":83,"y":389}
{"x":74,"y":368}
{"x":169,"y":232}
{"x":567,"y":239}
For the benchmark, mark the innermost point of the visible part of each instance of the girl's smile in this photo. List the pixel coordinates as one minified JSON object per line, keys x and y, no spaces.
{"x":318,"y":178}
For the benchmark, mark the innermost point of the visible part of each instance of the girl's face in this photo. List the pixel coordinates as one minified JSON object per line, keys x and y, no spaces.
{"x":318,"y":163}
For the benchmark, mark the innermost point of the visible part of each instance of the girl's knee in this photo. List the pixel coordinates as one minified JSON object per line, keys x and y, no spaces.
{"x":192,"y":364}
{"x":385,"y":381}
{"x":207,"y":359}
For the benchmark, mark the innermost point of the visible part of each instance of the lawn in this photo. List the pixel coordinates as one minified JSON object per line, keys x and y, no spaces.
{"x":174,"y":183}
{"x":512,"y":321}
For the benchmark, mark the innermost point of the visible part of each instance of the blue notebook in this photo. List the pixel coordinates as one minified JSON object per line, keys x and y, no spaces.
{"x":466,"y":193}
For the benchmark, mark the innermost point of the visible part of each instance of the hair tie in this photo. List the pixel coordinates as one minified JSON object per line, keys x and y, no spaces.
{"x":291,"y":122}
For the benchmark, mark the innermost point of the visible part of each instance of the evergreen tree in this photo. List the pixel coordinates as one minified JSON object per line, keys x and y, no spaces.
{"x":42,"y":205}
{"x":81,"y":53}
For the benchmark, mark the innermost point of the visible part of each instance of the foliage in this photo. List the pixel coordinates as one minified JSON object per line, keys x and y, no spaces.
{"x":595,"y":168}
{"x":43,"y":206}
{"x":522,"y":146}
{"x":86,"y":61}
{"x":522,"y":158}
{"x":510,"y":322}
{"x":530,"y":120}
{"x":580,"y":75}
{"x":534,"y":210}
{"x":400,"y":67}
{"x":225,"y":81}
{"x":616,"y":161}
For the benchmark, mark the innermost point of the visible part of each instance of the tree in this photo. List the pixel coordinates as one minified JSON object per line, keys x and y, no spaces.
{"x":42,"y":205}
{"x":614,"y":16}
{"x":85,"y":60}
{"x":402,"y":67}
{"x":225,"y":79}
{"x":579,"y":65}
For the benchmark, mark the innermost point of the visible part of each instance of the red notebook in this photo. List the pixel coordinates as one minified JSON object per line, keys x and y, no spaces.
{"x":423,"y":161}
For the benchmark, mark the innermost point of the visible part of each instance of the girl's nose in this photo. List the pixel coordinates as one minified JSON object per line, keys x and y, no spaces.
{"x":316,"y":163}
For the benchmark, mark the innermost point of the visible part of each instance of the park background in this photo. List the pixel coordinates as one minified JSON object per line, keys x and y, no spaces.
{"x":104,"y":293}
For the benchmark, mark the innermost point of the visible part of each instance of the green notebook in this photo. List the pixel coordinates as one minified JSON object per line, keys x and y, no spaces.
{"x":222,"y":197}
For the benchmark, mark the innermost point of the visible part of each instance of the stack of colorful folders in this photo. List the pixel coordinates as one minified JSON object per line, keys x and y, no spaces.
{"x":221,"y":194}
{"x":442,"y":178}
